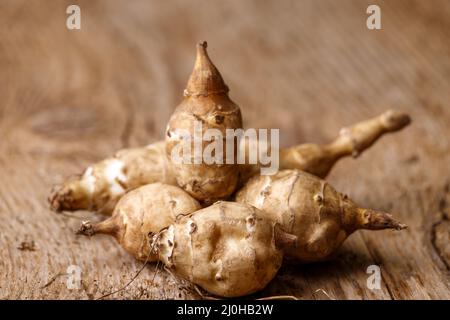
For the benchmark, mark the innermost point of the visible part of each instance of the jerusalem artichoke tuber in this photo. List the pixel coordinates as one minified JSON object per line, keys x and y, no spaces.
{"x":143,"y":211}
{"x":102,"y":184}
{"x":205,"y":102}
{"x":228,"y":249}
{"x":312,"y":210}
{"x":352,"y":141}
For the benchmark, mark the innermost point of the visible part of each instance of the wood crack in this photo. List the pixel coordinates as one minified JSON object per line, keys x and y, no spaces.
{"x":386,"y":284}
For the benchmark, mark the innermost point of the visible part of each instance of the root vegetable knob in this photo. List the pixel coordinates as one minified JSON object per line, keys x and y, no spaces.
{"x":228,"y":249}
{"x":352,"y":141}
{"x":205,"y":102}
{"x":308,"y":207}
{"x":142,"y":212}
{"x":104,"y":183}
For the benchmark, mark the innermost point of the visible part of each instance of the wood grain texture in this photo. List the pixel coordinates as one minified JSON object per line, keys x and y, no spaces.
{"x":69,"y":98}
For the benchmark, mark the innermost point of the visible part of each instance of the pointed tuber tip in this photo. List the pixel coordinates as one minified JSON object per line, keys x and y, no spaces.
{"x":202,"y":54}
{"x":205,"y":78}
{"x":85,"y":229}
{"x":378,"y":220}
{"x":395,"y":120}
{"x":201,"y":46}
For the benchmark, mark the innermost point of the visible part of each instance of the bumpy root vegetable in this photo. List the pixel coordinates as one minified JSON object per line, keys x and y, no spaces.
{"x":102,"y":184}
{"x":312,"y":210}
{"x":141,"y":213}
{"x":228,"y":249}
{"x":205,"y":102}
{"x":99,"y":189}
{"x":352,"y":141}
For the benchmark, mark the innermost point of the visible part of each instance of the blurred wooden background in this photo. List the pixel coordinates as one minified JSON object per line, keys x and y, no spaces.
{"x":69,"y":98}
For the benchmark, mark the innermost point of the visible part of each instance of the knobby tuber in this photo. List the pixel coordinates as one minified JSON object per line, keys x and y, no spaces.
{"x":309,"y":208}
{"x":229,"y":249}
{"x":100,"y":186}
{"x":205,"y":101}
{"x":142,"y":212}
{"x":352,"y":141}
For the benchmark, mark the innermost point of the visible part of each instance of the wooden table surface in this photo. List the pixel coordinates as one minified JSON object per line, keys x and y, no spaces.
{"x":71,"y":97}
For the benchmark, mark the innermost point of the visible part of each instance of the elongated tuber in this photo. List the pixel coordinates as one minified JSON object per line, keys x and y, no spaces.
{"x":205,"y":103}
{"x":352,"y":141}
{"x":309,"y":208}
{"x":98,"y":189}
{"x":228,"y":249}
{"x":142,"y":212}
{"x":102,"y":184}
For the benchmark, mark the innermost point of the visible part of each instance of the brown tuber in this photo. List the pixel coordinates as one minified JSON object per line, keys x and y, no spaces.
{"x":141,"y":213}
{"x":312,"y":210}
{"x":229,"y":249}
{"x":102,"y":184}
{"x":205,"y":101}
{"x":99,"y":190}
{"x":352,"y":141}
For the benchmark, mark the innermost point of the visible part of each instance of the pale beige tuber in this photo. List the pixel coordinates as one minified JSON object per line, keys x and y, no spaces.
{"x":205,"y":103}
{"x":309,"y":208}
{"x":228,"y":249}
{"x":352,"y":141}
{"x":140,"y":213}
{"x":102,"y":184}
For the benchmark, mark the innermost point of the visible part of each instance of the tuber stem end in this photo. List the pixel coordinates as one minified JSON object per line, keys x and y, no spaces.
{"x":379,"y":220}
{"x":56,"y":199}
{"x":86,"y":229}
{"x":395,"y":120}
{"x":205,"y":78}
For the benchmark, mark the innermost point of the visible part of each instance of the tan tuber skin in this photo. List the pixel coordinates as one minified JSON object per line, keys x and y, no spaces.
{"x":205,"y":101}
{"x":228,"y":248}
{"x":309,"y":208}
{"x":104,"y":183}
{"x":352,"y":141}
{"x":148,"y":165}
{"x":141,"y":213}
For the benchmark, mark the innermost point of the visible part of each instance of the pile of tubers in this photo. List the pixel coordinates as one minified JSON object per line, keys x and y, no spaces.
{"x":225,"y":227}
